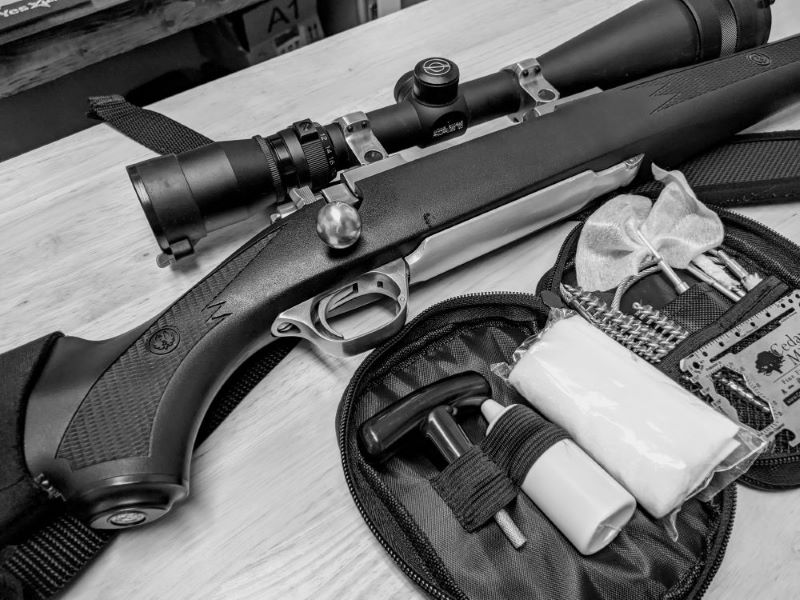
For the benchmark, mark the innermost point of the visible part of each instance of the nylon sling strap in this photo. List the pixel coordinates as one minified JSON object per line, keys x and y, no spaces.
{"x":149,"y":128}
{"x":758,"y":168}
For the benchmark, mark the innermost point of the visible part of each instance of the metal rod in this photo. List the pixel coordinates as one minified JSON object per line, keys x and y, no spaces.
{"x":749,"y":280}
{"x":714,"y":283}
{"x":510,"y":529}
{"x":679,"y":284}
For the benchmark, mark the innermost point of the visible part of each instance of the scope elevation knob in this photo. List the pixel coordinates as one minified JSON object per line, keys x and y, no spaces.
{"x":435,"y":81}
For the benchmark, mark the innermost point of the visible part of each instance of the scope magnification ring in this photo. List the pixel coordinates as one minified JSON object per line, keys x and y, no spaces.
{"x":318,"y":152}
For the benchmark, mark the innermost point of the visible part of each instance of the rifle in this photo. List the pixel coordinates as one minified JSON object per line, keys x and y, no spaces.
{"x":110,"y":425}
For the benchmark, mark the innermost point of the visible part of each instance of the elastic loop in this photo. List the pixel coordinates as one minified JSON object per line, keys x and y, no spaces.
{"x":474,"y":488}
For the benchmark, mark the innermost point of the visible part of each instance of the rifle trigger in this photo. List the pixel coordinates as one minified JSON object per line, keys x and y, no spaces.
{"x":312,"y":319}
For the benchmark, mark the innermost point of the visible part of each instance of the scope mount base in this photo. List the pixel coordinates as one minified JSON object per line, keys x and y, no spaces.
{"x":540,"y":96}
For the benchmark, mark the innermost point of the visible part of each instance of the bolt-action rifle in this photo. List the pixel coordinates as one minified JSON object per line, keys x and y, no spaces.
{"x":111,"y":424}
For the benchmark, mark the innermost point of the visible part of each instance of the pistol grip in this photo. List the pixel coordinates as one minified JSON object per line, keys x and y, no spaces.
{"x":111,"y":424}
{"x":111,"y":480}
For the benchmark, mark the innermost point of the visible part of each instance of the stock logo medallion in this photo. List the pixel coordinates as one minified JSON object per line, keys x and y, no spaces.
{"x":164,"y":340}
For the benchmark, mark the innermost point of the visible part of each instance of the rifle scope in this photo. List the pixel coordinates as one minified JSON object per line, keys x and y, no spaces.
{"x":188,"y":195}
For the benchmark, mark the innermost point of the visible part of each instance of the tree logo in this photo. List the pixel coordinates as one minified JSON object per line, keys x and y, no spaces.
{"x":768,"y":362}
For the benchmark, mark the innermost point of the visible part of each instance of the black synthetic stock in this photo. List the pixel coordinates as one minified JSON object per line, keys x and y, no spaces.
{"x":140,"y":398}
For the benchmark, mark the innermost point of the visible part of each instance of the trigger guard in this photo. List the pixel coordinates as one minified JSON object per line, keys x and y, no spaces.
{"x":325,"y":305}
{"x":309,"y":319}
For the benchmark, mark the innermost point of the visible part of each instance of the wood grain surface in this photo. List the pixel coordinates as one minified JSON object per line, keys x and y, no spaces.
{"x":53,"y":20}
{"x":270,"y":515}
{"x":65,"y":42}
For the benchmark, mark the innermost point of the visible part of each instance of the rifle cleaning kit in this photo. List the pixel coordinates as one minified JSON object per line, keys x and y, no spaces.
{"x":576,"y":442}
{"x":639,"y":503}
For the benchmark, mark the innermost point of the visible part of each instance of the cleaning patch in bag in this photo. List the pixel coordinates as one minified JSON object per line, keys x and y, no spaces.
{"x":659,"y":441}
{"x":677,"y":224}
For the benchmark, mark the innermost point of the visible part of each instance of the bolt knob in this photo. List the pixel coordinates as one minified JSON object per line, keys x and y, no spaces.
{"x":338,"y":225}
{"x":435,"y":81}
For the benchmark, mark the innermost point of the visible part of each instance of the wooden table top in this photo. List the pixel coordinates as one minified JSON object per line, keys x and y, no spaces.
{"x":269,"y":515}
{"x":58,"y":44}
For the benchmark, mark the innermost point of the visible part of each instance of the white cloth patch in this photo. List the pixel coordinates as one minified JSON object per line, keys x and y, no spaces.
{"x":678,"y":225}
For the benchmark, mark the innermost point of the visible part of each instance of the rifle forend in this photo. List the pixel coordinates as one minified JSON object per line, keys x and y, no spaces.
{"x":111,"y":424}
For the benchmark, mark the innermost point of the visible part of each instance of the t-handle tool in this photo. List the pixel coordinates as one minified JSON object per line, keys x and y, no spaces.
{"x":430,"y":410}
{"x":380,"y":433}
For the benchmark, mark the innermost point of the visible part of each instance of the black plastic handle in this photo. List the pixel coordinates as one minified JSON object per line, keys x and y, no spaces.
{"x":382,"y":431}
{"x":112,"y":424}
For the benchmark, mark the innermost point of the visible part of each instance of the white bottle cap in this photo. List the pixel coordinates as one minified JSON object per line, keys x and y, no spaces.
{"x":578,"y":496}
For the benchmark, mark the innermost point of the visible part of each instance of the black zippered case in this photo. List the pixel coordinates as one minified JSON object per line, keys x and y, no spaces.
{"x":399,"y":501}
{"x":707,"y":314}
{"x":398,"y":498}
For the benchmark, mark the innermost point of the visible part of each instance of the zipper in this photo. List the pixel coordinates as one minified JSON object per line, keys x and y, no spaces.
{"x":343,"y":417}
{"x":784,"y":244}
{"x":561,"y":259}
{"x":748,"y":223}
{"x":771,"y":461}
{"x":728,"y":512}
{"x":776,"y":461}
{"x":789,"y":247}
{"x":719,"y":555}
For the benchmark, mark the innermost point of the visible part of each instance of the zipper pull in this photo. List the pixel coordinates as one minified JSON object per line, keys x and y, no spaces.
{"x":551,"y":299}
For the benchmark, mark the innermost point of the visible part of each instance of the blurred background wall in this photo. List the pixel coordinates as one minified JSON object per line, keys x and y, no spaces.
{"x":50,"y":64}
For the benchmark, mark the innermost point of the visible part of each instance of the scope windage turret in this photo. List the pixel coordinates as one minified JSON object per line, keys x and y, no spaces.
{"x":189,"y":195}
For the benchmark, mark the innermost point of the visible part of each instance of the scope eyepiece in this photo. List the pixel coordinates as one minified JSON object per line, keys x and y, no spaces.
{"x":188,"y":195}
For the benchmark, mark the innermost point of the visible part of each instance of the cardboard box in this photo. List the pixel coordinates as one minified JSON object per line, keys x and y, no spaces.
{"x":278,"y":26}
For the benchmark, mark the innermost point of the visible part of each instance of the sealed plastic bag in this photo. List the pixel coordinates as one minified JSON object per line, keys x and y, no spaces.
{"x":660,"y":442}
